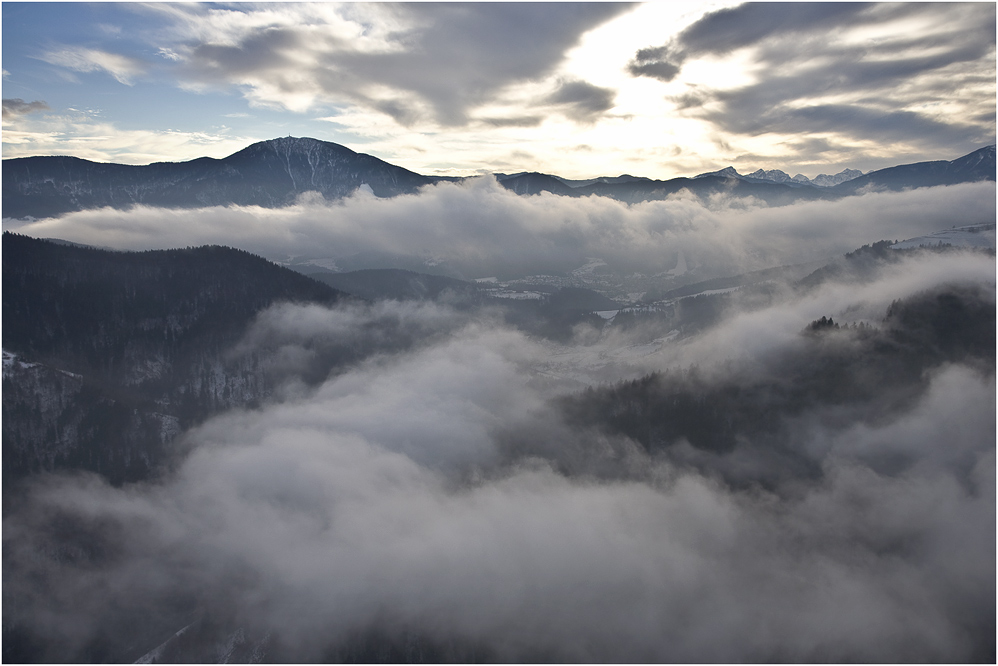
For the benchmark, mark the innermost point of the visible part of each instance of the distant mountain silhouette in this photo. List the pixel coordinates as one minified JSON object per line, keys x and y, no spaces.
{"x":978,"y":165}
{"x":535,"y":183}
{"x":274,"y":173}
{"x":270,"y":173}
{"x":775,"y":194}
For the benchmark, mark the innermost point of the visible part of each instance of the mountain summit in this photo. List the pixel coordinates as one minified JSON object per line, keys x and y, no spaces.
{"x":269,"y":173}
{"x":303,"y":164}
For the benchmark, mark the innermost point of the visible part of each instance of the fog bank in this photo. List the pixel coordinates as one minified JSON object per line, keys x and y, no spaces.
{"x":436,"y":488}
{"x":478,"y":228}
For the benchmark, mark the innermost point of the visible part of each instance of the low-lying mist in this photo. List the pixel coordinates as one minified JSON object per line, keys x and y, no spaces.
{"x":461,"y":492}
{"x":478,"y":228}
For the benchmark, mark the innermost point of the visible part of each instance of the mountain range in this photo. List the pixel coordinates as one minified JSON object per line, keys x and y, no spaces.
{"x":778,"y":176}
{"x":275,"y":173}
{"x":269,"y":173}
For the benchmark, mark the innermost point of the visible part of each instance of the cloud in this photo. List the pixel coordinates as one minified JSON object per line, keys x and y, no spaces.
{"x":849,"y":69}
{"x":478,"y":228}
{"x":420,"y":62}
{"x":123,"y":68}
{"x":518,"y":121}
{"x":745,"y":25}
{"x":756,"y":333}
{"x":18,"y":107}
{"x":307,"y":343}
{"x":582,"y":101}
{"x":433,"y":491}
{"x":82,"y":134}
{"x":725,"y":30}
{"x":489,"y":74}
{"x":421,"y":492}
{"x":655,"y":63}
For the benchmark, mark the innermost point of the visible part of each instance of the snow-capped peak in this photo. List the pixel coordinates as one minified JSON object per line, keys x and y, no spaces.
{"x":726,"y":172}
{"x":774,"y":175}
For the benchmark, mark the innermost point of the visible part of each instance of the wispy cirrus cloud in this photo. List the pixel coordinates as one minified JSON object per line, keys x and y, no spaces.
{"x":124,"y":69}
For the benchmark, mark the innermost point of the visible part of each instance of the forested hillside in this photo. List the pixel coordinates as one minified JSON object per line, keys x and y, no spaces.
{"x":869,"y":372}
{"x":110,"y":354}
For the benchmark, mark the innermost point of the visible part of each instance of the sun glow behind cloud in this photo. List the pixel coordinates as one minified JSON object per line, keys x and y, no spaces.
{"x":544,"y":140}
{"x":461,"y":89}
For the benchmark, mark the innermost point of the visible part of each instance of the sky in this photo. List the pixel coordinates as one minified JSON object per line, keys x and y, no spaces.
{"x":576,"y":89}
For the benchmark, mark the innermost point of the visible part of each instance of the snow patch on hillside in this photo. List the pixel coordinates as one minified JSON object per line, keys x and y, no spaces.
{"x":592,"y":263}
{"x":10,"y":363}
{"x":153,"y":655}
{"x":980,"y":235}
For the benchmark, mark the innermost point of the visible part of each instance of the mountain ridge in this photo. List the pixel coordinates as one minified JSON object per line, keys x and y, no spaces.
{"x":269,"y":173}
{"x":274,"y":173}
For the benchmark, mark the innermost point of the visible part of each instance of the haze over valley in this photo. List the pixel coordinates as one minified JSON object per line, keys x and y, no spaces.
{"x":447,"y":397}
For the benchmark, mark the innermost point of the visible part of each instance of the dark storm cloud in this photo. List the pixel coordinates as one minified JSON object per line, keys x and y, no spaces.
{"x":582,"y":101}
{"x":447,"y":59}
{"x":805,"y":61}
{"x":18,"y":107}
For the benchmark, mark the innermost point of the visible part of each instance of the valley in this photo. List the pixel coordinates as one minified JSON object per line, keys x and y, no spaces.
{"x":478,"y":357}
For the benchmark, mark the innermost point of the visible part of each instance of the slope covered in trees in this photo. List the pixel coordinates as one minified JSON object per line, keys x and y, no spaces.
{"x":864,"y":371}
{"x":118,"y":351}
